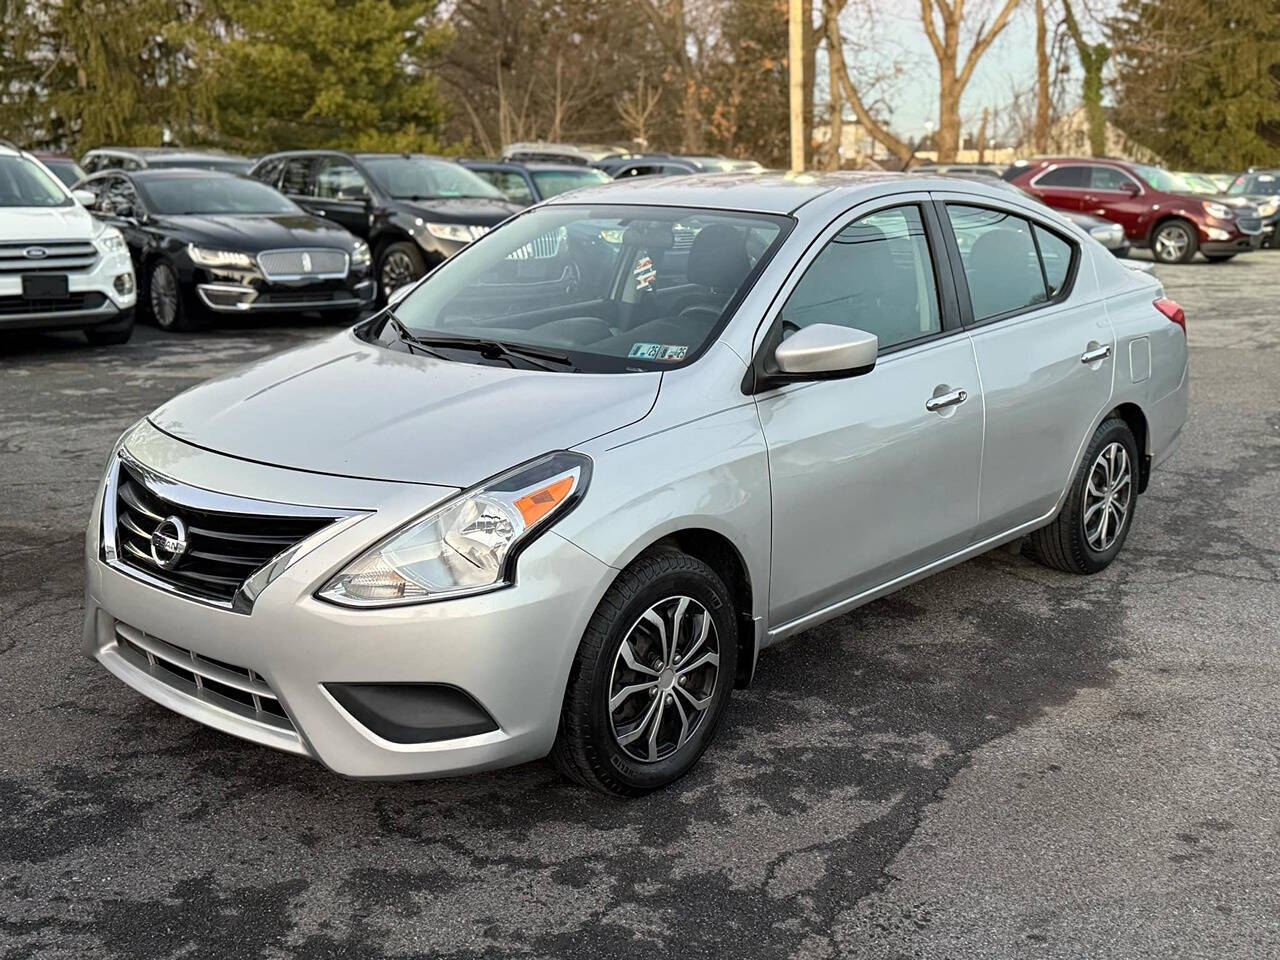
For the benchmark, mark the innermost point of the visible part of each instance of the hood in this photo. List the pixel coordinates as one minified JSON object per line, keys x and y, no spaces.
{"x":350,"y":408}
{"x":255,"y":232}
{"x":37,"y":224}
{"x":477,"y":210}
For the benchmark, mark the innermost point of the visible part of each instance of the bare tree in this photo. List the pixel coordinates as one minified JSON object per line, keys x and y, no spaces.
{"x":1040,"y":136}
{"x":670,"y":22}
{"x":1093,"y":58}
{"x":944,"y":23}
{"x":636,"y":107}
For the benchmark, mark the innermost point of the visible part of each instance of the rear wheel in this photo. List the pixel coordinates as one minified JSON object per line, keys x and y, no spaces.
{"x":651,"y":679}
{"x":1094,"y":522}
{"x":1175,"y":241}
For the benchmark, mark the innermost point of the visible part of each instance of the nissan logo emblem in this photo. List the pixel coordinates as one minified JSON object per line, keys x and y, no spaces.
{"x":35,"y":253}
{"x":168,"y":543}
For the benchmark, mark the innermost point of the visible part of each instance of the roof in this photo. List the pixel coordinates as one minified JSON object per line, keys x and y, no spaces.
{"x":770,"y":192}
{"x":167,"y":152}
{"x":531,"y":165}
{"x":173,"y":173}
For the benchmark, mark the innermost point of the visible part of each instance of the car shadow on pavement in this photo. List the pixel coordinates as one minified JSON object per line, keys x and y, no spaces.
{"x":822,"y":771}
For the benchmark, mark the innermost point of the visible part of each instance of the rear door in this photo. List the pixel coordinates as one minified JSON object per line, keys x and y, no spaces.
{"x":875,"y":476}
{"x":1045,"y":359}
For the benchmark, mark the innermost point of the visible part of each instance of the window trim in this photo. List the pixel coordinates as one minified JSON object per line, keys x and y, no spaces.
{"x":957,"y":262}
{"x":1124,"y":173}
{"x":317,"y":167}
{"x":755,"y":382}
{"x":1035,"y":181}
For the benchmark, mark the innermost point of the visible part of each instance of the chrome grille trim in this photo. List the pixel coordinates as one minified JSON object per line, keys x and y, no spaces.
{"x":121,"y":554}
{"x":61,"y":256}
{"x":236,"y":693}
{"x":1249,"y":225}
{"x":304,"y":263}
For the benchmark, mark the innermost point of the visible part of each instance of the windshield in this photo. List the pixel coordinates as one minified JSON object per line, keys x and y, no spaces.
{"x":1198,"y":182}
{"x":552,"y":183}
{"x":68,"y":171}
{"x":1162,"y":180}
{"x":409,"y":178}
{"x":207,"y":195}
{"x":25,"y":184}
{"x":1255,"y":183}
{"x":613,"y":288}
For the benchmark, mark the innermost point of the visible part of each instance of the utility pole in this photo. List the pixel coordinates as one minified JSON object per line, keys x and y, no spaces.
{"x":795,"y":68}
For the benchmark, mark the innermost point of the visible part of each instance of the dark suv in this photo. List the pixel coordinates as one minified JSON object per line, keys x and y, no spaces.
{"x":1262,"y":189}
{"x":1155,"y":208}
{"x":414,"y":211}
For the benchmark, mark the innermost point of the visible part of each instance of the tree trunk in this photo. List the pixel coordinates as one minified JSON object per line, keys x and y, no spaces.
{"x":947,"y":137}
{"x":1093,"y":57}
{"x":982,"y":135}
{"x":835,"y":117}
{"x":1040,"y":136}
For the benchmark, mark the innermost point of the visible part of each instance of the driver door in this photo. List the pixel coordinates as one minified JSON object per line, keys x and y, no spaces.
{"x":872,"y":476}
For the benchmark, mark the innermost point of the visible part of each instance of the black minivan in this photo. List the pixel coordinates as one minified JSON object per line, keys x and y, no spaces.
{"x":414,"y":210}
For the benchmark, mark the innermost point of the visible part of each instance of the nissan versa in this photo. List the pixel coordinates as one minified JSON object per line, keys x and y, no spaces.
{"x":559,"y":495}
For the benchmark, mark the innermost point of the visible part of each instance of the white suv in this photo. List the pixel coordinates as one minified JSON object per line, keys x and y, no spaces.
{"x":60,"y":269}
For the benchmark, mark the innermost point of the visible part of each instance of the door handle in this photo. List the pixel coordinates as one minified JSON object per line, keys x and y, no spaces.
{"x":1096,"y":354}
{"x":933,"y":404}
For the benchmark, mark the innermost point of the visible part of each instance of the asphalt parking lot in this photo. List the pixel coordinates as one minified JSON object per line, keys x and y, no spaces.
{"x":1000,"y":761}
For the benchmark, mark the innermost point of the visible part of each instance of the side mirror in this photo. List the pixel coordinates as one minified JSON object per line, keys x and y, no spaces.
{"x":825,"y":351}
{"x":86,"y":198}
{"x":1131,"y":188}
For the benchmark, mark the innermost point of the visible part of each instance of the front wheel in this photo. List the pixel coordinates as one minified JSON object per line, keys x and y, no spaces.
{"x":401,"y":263}
{"x":1218,"y":257}
{"x":1094,"y":522}
{"x":651,"y":679}
{"x":165,"y":301}
{"x":1174,"y":242}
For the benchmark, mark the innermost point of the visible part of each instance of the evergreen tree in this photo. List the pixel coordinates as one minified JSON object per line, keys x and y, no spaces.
{"x":1198,"y":81}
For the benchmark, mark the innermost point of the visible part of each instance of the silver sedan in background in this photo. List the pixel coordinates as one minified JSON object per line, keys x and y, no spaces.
{"x":560,"y":494}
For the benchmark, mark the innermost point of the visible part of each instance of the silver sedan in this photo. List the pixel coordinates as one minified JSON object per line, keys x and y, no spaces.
{"x":560,"y":494}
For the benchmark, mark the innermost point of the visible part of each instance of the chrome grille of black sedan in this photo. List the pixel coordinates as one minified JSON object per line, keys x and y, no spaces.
{"x":220,"y":551}
{"x":302,"y":264}
{"x":60,"y":256}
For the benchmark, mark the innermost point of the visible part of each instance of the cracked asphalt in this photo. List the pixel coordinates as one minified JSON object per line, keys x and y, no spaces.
{"x":1000,"y":761}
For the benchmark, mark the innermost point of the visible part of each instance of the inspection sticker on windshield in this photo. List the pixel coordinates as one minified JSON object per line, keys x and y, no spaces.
{"x":644,"y":272}
{"x":672,"y":353}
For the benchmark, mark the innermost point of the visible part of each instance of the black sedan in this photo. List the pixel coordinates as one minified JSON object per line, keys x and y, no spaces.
{"x":206,"y":243}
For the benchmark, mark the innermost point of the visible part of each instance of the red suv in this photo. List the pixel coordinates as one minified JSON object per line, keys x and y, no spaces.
{"x":1155,"y":207}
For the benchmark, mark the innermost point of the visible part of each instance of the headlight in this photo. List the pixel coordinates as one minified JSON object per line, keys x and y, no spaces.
{"x":469,"y":544}
{"x":1268,"y":207}
{"x":110,"y":241}
{"x":457,"y":232}
{"x":1219,"y":210}
{"x":218,"y":258}
{"x":360,"y":256}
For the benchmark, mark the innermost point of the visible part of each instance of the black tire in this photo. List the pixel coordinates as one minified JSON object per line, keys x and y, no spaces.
{"x":1219,"y":257}
{"x":165,"y":303}
{"x":399,"y":264}
{"x":586,"y":749}
{"x":1183,"y":243}
{"x":1064,"y":543}
{"x":110,"y":338}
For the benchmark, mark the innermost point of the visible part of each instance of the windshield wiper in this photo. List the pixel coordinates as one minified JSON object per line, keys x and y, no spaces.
{"x":490,"y":349}
{"x":408,"y":339}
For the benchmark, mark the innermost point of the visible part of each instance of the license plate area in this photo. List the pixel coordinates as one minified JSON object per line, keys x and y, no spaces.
{"x":44,"y":286}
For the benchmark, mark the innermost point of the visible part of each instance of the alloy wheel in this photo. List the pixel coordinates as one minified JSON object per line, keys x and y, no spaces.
{"x":397,"y":270}
{"x":664,"y":679}
{"x":164,"y":296}
{"x":1108,"y":494}
{"x":1172,"y":243}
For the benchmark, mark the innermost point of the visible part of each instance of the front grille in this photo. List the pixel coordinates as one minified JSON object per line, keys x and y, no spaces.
{"x":72,"y":302}
{"x":321,"y":262}
{"x":60,"y":256}
{"x":287,"y":297}
{"x":233,"y":688}
{"x":223,"y":549}
{"x":1249,"y":224}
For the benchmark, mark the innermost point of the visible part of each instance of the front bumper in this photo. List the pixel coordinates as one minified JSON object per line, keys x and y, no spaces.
{"x":93,"y":299}
{"x":1239,"y":244}
{"x":221,"y":296}
{"x":509,"y":650}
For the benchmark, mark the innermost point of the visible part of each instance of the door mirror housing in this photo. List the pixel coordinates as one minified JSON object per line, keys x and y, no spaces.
{"x":86,"y":198}
{"x":821,"y":351}
{"x":1131,"y":188}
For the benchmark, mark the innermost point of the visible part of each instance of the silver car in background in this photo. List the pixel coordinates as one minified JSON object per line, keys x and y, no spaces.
{"x":559,"y":496}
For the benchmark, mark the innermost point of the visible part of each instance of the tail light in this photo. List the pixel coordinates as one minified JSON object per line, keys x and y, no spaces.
{"x":1174,"y":312}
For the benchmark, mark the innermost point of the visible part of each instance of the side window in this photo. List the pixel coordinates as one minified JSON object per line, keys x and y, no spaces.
{"x":1055,"y":254}
{"x":296,"y":179}
{"x":1108,"y":178}
{"x":269,"y":172}
{"x":639,"y":170}
{"x":1069,"y":176}
{"x":1002,"y":265}
{"x":875,"y":275}
{"x":338,"y":179}
{"x":513,"y":186}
